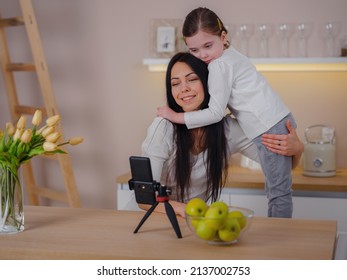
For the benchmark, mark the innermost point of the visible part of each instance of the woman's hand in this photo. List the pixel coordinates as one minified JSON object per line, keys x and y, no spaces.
{"x":178,"y":207}
{"x":286,"y":144}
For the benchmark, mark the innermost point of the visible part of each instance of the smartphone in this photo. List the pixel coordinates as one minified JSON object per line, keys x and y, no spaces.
{"x":141,"y":169}
{"x":142,"y":180}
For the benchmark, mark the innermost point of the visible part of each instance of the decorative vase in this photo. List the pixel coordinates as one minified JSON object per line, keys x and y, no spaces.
{"x":19,"y":145}
{"x":11,"y":203}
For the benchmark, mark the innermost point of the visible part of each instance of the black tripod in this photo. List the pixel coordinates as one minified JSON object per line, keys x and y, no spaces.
{"x":163,"y":197}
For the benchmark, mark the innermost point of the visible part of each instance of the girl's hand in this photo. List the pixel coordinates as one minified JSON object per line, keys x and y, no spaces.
{"x":286,"y":144}
{"x":165,"y":112}
{"x":169,"y":114}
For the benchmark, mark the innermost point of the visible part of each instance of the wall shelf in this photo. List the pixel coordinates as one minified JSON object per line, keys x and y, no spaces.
{"x":291,"y":64}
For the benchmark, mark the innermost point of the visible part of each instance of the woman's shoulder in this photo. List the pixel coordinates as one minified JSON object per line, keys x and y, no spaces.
{"x":161,"y":122}
{"x":159,"y":137}
{"x":160,"y":126}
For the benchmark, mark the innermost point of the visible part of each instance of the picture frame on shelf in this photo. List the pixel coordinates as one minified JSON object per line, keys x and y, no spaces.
{"x":166,"y":38}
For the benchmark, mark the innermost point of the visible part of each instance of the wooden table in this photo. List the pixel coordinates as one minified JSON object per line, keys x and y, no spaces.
{"x":70,"y":233}
{"x":240,"y":177}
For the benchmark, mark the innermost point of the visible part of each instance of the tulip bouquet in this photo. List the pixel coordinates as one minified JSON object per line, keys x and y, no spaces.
{"x":17,"y":146}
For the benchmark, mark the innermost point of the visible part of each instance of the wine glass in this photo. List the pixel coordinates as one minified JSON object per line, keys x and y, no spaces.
{"x":344,"y":46}
{"x":284,"y":32}
{"x":264,"y":32}
{"x":330,"y":32}
{"x":245,"y":32}
{"x":303,"y":31}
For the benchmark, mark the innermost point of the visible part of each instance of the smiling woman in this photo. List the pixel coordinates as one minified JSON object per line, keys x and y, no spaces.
{"x":193,"y":162}
{"x":187,"y":88}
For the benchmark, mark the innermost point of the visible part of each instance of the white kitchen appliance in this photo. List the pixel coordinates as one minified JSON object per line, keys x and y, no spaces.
{"x":319,"y":152}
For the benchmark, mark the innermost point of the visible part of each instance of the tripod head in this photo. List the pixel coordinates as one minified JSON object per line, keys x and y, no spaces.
{"x":163,"y":193}
{"x":149,"y":192}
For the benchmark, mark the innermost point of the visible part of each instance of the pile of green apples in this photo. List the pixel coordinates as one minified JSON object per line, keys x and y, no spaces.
{"x":215,"y":221}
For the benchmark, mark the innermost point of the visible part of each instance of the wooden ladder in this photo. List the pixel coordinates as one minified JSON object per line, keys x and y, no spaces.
{"x":70,"y":195}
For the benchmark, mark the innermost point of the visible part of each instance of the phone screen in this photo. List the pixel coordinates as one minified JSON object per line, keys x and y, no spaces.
{"x":142,"y":181}
{"x":141,"y":169}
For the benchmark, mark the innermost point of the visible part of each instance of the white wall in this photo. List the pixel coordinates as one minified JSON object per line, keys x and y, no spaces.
{"x":94,"y":50}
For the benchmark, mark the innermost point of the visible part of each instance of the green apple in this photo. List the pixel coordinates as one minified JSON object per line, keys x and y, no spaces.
{"x":196,"y":207}
{"x":222,"y":205}
{"x":241,"y":218}
{"x":194,"y":221}
{"x":230,"y":230}
{"x":215,"y":215}
{"x":204,"y":231}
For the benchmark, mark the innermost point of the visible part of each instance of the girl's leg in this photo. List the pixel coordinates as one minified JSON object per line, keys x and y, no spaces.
{"x":277,"y":171}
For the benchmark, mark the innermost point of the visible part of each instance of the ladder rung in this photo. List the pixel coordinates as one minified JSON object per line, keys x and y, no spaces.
{"x":15,"y":21}
{"x":28,"y":110}
{"x":51,"y":194}
{"x":20,"y":67}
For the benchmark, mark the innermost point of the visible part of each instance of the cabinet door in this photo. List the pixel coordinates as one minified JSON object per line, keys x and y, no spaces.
{"x":258,"y":203}
{"x":126,"y":199}
{"x":341,"y":246}
{"x":322,"y":208}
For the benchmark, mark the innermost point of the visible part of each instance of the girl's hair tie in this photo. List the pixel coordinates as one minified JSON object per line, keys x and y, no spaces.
{"x":220,"y":25}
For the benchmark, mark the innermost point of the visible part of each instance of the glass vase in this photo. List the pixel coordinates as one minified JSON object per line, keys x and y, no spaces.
{"x":11,"y":203}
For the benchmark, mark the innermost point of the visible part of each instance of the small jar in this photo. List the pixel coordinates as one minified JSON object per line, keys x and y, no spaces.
{"x":344,"y":46}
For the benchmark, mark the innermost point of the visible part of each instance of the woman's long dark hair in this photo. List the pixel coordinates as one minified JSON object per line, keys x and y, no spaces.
{"x":215,"y":140}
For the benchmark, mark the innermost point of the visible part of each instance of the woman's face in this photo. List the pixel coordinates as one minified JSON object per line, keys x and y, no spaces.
{"x":186,"y":87}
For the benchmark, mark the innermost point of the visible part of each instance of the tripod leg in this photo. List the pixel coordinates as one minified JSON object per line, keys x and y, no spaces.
{"x":149,"y":212}
{"x":173,"y":219}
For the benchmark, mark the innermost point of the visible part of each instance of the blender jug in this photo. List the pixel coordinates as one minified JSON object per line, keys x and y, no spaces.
{"x":319,"y":151}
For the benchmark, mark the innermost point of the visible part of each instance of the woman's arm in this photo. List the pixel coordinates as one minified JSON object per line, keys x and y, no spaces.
{"x":286,"y":144}
{"x":157,"y":145}
{"x":178,"y":207}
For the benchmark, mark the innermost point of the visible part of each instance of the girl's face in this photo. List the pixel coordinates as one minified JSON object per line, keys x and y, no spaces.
{"x":206,"y":46}
{"x":186,"y":87}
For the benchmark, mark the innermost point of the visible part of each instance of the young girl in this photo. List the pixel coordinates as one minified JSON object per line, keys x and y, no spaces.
{"x":235,"y":84}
